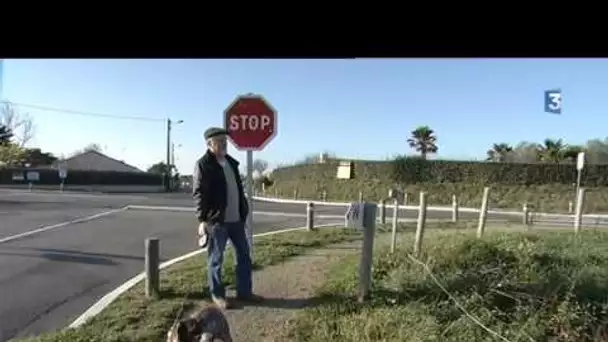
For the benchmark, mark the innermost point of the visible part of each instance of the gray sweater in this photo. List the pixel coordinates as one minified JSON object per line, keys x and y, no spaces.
{"x":232,"y":194}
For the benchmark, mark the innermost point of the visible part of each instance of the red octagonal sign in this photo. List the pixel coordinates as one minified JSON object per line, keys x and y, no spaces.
{"x":251,"y":122}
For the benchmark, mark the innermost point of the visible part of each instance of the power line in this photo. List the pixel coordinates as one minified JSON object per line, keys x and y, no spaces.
{"x":83,"y":113}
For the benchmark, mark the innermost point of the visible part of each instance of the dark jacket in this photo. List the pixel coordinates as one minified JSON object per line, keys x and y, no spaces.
{"x":209,"y":189}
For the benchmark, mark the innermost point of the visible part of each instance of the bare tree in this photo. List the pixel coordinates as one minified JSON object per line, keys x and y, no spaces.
{"x":314,"y":158}
{"x":93,"y":147}
{"x":260,"y":166}
{"x":597,"y":151}
{"x":90,"y":147}
{"x":20,"y":124}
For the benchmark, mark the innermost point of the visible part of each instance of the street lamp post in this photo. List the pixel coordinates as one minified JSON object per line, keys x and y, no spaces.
{"x":168,"y":161}
{"x":173,"y":147}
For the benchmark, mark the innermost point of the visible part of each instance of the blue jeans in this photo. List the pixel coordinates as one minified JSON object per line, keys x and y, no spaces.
{"x":235,"y":231}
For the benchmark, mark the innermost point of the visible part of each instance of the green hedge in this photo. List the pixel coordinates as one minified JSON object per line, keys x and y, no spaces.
{"x":415,"y":171}
{"x":75,"y":177}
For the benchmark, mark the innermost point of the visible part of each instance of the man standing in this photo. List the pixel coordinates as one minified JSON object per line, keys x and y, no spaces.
{"x":221,"y":210}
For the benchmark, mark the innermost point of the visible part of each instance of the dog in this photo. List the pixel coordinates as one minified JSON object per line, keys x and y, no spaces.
{"x":207,"y":324}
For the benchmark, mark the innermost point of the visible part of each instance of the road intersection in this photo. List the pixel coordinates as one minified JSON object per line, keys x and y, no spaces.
{"x":61,"y":252}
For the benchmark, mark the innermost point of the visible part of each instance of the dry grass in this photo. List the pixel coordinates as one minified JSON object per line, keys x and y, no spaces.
{"x":542,"y":286}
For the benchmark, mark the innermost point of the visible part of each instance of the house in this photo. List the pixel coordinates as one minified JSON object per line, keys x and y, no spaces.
{"x":95,"y":161}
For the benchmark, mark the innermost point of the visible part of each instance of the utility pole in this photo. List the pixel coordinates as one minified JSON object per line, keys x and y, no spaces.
{"x":172,"y":153}
{"x":168,"y":161}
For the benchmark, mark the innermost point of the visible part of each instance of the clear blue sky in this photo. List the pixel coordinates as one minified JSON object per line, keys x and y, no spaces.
{"x":355,"y":108}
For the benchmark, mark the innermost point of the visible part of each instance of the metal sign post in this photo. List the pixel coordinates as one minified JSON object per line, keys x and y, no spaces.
{"x":63,"y":174}
{"x":32,"y":176}
{"x":251,"y":122}
{"x":250,"y":198}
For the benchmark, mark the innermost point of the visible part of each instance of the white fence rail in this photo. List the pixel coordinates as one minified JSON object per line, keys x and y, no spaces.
{"x":536,"y":217}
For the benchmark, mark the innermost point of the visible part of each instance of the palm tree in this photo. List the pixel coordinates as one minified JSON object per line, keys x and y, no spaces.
{"x":525,"y":152}
{"x":571,"y":153}
{"x":423,"y":140}
{"x":552,"y":151}
{"x":499,"y":152}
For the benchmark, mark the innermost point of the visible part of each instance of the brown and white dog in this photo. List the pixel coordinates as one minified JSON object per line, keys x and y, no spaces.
{"x":207,"y":324}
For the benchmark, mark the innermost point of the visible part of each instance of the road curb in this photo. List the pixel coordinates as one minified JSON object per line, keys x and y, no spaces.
{"x":110,"y":297}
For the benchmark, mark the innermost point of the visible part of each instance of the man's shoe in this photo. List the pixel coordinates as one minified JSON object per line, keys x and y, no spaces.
{"x":250,"y":299}
{"x":222,"y":303}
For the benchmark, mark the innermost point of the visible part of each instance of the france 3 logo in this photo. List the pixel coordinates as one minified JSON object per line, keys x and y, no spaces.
{"x":553,"y":101}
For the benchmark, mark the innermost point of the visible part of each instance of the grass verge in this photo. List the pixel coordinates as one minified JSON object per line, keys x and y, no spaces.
{"x":517,"y":286}
{"x":133,"y":317}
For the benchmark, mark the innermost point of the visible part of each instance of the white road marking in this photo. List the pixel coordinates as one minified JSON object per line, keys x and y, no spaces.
{"x":263,"y":213}
{"x":159,"y":207}
{"x":54,"y":193}
{"x":60,"y":225}
{"x":106,"y":300}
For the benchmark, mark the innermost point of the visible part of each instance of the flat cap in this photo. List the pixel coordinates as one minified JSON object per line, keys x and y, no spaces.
{"x":214,"y":132}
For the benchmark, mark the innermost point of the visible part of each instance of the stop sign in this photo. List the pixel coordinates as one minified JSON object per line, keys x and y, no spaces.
{"x":251,"y":122}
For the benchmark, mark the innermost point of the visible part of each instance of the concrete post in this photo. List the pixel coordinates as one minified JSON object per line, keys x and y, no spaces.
{"x":394,"y":227}
{"x":152,"y":267}
{"x":578,"y":215}
{"x":454,"y":208}
{"x":483,"y":213}
{"x":324,"y":196}
{"x":383,"y":211}
{"x":310,"y":216}
{"x":421,"y":225}
{"x":365,"y":268}
{"x":525,"y":214}
{"x":360,"y":196}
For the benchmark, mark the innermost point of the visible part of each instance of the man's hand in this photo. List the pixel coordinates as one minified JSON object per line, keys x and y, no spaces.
{"x":203,"y":234}
{"x":202,"y":229}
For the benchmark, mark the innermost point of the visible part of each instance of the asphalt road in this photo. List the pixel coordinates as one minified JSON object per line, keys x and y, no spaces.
{"x":49,"y":277}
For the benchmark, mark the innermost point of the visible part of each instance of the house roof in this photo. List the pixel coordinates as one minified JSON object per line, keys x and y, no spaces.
{"x":96,"y":161}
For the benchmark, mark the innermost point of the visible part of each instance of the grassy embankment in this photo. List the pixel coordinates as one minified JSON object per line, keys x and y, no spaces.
{"x":374,"y":180}
{"x":505,"y":287}
{"x":135,"y":318}
{"x":521,"y":286}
